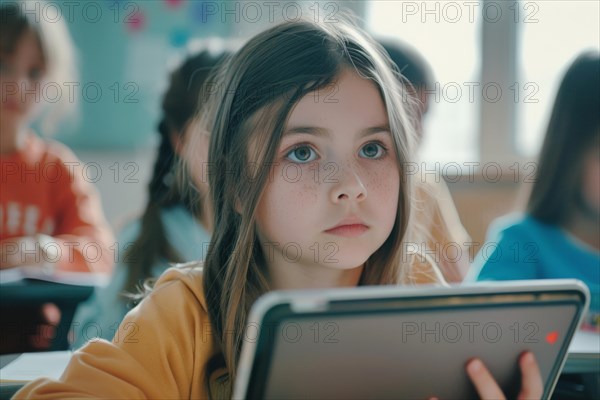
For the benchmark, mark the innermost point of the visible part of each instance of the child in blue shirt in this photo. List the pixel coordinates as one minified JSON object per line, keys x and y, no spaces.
{"x":559,"y":237}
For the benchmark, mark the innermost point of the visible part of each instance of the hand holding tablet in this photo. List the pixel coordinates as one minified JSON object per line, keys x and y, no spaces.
{"x":532,"y":386}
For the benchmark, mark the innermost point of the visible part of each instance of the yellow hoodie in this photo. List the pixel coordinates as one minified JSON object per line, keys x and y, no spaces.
{"x":160,"y":351}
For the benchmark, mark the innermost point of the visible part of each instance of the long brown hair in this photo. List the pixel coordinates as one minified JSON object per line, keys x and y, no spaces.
{"x":573,"y":127}
{"x":259,"y":87}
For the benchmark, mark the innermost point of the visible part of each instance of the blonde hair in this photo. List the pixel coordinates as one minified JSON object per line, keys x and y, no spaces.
{"x":56,"y":46}
{"x":258,"y":88}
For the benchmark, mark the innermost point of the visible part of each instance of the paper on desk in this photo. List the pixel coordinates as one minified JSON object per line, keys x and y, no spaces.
{"x":585,"y":343}
{"x":30,"y":366}
{"x":66,"y":277}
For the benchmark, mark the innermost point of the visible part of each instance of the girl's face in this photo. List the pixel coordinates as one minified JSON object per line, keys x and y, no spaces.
{"x":332,"y":197}
{"x":20,"y":76}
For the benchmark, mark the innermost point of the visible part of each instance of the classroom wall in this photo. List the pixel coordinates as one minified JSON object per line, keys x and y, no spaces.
{"x":124,"y":50}
{"x":121,"y":177}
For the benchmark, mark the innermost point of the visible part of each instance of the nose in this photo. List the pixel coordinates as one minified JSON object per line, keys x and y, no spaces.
{"x":348,"y":186}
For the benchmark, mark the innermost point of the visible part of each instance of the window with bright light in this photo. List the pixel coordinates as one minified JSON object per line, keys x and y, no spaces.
{"x":549,"y":35}
{"x":556,"y":33}
{"x":446,"y":35}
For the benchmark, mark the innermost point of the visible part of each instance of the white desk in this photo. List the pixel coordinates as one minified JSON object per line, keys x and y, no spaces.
{"x":584,"y":354}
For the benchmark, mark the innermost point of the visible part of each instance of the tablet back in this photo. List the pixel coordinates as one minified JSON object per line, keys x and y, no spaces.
{"x":405,"y":343}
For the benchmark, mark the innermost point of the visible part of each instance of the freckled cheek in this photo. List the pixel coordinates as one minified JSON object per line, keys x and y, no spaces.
{"x":299,"y":183}
{"x":383,"y":182}
{"x":292,"y":192}
{"x":306,"y":191}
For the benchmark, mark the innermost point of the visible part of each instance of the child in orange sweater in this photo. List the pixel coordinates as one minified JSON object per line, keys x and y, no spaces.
{"x":50,"y":216}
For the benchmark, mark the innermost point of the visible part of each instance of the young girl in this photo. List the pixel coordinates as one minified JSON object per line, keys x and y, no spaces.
{"x":559,"y":237}
{"x":50,"y":216}
{"x":309,"y":139}
{"x":176,"y":224}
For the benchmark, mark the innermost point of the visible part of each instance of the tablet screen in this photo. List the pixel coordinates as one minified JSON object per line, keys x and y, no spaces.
{"x":411,"y":353}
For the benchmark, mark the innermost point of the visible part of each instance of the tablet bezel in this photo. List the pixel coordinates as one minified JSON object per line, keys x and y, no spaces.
{"x":284,"y":305}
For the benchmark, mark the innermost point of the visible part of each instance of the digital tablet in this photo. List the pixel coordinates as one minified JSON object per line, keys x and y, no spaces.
{"x":390,"y":342}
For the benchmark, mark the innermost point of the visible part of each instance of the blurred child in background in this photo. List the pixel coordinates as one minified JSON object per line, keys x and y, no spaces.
{"x":434,"y":207}
{"x":49,"y":213}
{"x":176,"y":224}
{"x":559,"y":236}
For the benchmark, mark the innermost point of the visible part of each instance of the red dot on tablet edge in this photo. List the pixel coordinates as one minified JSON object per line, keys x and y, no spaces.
{"x":552,"y":337}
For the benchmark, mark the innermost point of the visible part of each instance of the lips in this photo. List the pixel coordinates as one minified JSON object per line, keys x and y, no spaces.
{"x":349,"y":227}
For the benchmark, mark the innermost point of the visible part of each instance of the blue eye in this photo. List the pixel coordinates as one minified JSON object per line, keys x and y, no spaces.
{"x":302,"y":154}
{"x":373,"y":150}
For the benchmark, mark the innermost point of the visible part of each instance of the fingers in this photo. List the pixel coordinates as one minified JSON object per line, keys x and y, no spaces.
{"x":532,"y":386}
{"x":43,"y":337}
{"x":484,"y":382}
{"x":45,"y":329}
{"x":50,"y":314}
